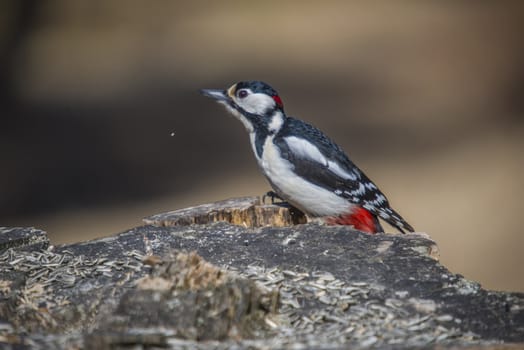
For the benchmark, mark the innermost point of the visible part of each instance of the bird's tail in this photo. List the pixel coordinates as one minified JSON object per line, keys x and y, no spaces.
{"x":367,"y":221}
{"x":394,"y":219}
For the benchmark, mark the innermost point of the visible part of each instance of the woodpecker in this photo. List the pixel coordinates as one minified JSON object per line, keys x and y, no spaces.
{"x":303,"y":166}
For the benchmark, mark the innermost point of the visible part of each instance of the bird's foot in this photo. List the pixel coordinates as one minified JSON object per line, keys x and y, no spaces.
{"x":272,"y":195}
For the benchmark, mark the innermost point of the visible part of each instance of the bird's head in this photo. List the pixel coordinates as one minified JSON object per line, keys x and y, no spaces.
{"x":254,"y":103}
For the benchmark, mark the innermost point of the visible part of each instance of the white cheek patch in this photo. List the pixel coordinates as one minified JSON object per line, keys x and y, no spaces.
{"x":256,"y":103}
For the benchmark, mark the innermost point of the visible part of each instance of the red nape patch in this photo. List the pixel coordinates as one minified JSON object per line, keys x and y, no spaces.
{"x":359,"y":218}
{"x":278,"y":101}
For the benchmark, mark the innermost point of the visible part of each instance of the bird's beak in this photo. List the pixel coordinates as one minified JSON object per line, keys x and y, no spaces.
{"x":219,"y":95}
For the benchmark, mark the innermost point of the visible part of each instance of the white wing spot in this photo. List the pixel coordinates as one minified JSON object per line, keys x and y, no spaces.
{"x":370,"y":186}
{"x":306,"y":149}
{"x":380,"y":198}
{"x":368,"y":207}
{"x":335,"y":168}
{"x":384,"y":215}
{"x":360,"y":190}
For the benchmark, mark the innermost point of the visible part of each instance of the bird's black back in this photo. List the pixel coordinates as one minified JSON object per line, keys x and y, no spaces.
{"x":369,"y":197}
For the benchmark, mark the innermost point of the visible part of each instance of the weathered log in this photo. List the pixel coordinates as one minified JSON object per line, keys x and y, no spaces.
{"x":337,"y":288}
{"x":28,"y":238}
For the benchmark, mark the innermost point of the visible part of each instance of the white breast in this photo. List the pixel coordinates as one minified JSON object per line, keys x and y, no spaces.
{"x":310,"y":198}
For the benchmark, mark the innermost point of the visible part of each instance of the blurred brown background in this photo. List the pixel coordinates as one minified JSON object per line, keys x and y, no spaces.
{"x":425,"y":96}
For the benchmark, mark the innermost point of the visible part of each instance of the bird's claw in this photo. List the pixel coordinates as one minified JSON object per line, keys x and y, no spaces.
{"x":272,"y":195}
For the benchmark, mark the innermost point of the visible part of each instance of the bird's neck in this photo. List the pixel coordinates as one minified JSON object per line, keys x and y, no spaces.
{"x":276,"y":121}
{"x":264,"y":127}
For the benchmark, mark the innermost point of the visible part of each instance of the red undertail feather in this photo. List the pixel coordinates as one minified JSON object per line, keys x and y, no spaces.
{"x":359,"y":218}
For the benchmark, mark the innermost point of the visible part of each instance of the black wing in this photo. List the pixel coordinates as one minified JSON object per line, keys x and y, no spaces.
{"x":320,"y":161}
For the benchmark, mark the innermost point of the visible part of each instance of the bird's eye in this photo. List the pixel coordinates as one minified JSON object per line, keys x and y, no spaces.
{"x":242,"y":93}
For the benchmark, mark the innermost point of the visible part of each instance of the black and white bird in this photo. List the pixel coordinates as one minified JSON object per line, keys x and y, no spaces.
{"x":304,"y":167}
